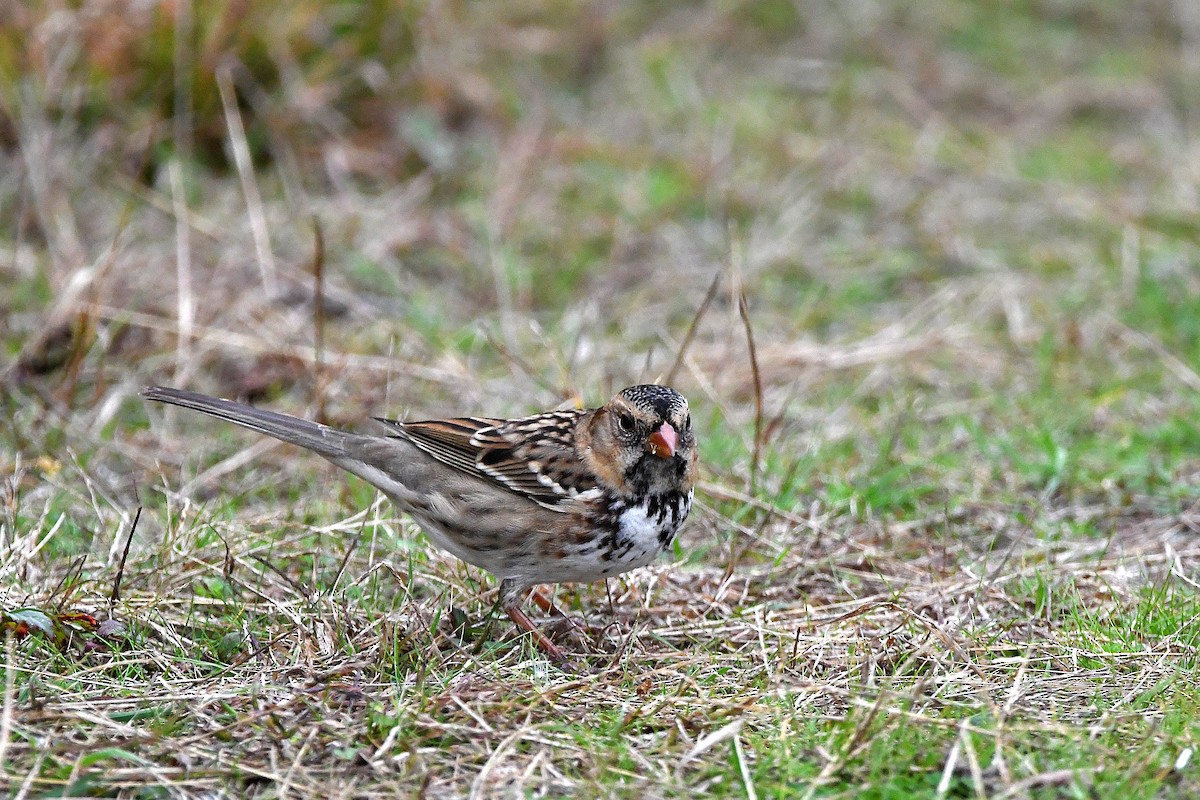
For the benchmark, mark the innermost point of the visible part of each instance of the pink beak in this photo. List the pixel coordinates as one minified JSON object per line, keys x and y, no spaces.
{"x":662,"y":442}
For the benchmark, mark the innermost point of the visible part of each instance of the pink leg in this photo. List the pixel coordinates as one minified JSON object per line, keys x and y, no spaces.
{"x":510,"y":599}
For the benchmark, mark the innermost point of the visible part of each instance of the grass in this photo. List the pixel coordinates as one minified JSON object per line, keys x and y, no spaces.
{"x":965,"y":565}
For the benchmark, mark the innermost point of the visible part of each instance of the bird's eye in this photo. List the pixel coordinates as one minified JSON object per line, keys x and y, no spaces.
{"x":625,"y":422}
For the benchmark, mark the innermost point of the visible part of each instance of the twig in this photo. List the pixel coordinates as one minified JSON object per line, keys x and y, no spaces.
{"x":116,"y":590}
{"x":744,"y":311}
{"x":346,"y":558}
{"x":319,"y":319}
{"x":691,"y":331}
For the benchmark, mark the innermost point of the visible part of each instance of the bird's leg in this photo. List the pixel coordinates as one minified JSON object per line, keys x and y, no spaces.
{"x":562,"y":623}
{"x":510,"y":600}
{"x":546,"y":604}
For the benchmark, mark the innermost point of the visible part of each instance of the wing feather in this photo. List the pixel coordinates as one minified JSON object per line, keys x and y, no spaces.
{"x":534,"y":456}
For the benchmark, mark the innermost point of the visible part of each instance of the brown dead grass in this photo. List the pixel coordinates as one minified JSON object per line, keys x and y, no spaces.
{"x":282,"y":633}
{"x":871,"y":623}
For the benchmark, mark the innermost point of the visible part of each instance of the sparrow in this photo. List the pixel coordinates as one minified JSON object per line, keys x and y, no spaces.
{"x":564,"y":496}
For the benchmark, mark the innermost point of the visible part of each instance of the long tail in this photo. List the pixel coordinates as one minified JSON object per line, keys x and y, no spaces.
{"x":328,"y":442}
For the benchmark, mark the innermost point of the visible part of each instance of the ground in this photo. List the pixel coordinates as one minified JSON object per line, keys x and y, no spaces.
{"x":928,"y":274}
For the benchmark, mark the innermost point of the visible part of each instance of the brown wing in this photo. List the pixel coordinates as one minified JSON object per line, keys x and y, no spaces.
{"x":447,"y":440}
{"x":534,"y":456}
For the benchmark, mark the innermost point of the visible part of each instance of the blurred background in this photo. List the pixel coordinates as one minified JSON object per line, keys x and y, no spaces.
{"x":929,"y":274}
{"x":959,"y":228}
{"x":980,"y":215}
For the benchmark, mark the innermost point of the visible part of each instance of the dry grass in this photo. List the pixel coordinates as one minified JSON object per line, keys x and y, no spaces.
{"x":948,"y":549}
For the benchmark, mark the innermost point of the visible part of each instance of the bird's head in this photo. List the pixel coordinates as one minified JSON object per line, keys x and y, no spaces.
{"x":645,"y":433}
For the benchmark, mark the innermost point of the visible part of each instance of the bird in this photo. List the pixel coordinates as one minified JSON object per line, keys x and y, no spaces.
{"x":564,"y":496}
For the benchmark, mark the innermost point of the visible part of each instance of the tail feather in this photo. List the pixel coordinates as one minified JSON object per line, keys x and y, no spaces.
{"x":321,"y":439}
